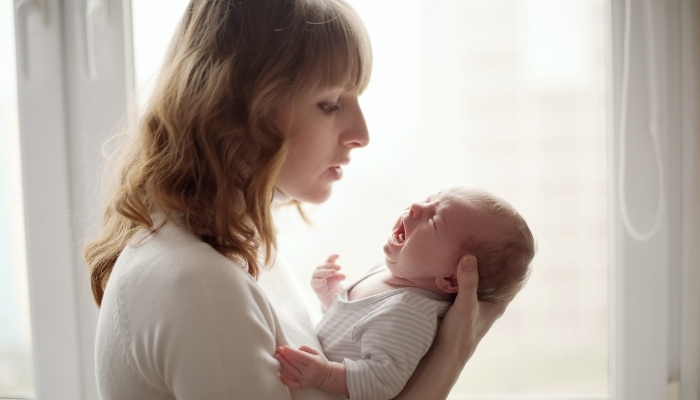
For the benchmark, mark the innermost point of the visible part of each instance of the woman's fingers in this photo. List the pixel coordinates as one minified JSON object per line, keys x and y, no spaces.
{"x":466,"y":303}
{"x":468,"y":277}
{"x":483,"y":314}
{"x":468,"y":318}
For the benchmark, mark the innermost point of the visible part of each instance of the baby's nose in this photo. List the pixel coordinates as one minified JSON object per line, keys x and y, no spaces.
{"x":415,"y":211}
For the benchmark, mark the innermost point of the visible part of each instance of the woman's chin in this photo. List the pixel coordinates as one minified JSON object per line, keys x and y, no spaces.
{"x":320,"y":199}
{"x":313,"y":197}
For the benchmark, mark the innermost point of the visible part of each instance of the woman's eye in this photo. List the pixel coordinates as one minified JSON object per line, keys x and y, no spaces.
{"x":328,"y":108}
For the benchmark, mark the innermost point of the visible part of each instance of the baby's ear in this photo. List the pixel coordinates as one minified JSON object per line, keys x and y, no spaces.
{"x":447,"y":284}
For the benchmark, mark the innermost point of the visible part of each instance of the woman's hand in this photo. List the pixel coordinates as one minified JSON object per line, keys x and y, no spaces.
{"x":468,"y":320}
{"x":465,"y":324}
{"x":327,"y":281}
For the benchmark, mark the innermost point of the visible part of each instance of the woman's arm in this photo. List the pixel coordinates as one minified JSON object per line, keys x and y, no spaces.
{"x":216,"y":331}
{"x":463,"y":327}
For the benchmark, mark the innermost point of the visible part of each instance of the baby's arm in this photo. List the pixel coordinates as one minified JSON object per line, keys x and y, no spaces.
{"x":327,"y":281}
{"x":309,"y":368}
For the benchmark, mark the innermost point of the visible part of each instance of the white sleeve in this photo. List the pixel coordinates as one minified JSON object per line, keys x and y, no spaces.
{"x":391,"y":343}
{"x":213,"y":337}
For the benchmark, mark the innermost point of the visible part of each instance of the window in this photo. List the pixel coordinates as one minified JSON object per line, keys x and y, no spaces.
{"x":529,"y":128}
{"x":16,"y":377}
{"x":149,"y":43}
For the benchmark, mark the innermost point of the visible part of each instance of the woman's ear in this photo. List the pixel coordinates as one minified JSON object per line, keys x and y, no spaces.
{"x":447,"y":284}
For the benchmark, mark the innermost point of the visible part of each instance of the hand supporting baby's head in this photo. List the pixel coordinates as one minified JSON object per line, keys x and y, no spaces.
{"x":502,"y":244}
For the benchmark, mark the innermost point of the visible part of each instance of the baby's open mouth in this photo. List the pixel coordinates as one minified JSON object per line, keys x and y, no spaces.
{"x":399,"y":235}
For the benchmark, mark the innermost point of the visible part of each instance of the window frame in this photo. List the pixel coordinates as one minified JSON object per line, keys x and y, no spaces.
{"x":65,"y":114}
{"x":654,"y":329}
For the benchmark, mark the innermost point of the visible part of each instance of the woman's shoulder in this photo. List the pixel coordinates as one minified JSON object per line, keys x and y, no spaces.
{"x":175,"y":310}
{"x":175,"y":282}
{"x":179,"y":265}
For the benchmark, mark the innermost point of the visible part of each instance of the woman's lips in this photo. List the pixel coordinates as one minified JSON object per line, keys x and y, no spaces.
{"x":336,"y":172}
{"x":337,"y":169}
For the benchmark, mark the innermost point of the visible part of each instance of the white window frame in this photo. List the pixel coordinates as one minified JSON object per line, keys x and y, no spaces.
{"x":654,"y":320}
{"x":72,"y":93}
{"x":68,"y":105}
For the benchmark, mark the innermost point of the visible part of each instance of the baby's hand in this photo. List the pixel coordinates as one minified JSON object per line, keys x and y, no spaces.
{"x":309,"y":368}
{"x":327,"y":281}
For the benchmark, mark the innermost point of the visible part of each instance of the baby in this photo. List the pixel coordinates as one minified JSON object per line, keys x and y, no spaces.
{"x":375,"y":331}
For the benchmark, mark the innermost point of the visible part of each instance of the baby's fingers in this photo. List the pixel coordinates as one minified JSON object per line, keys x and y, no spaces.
{"x":310,"y":350}
{"x":289,"y":381}
{"x":324,"y":277}
{"x":288,"y":367}
{"x":326,"y":271}
{"x":298,"y":357}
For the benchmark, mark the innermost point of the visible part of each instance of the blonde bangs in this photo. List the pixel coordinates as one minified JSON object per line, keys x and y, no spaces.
{"x":336,"y":34}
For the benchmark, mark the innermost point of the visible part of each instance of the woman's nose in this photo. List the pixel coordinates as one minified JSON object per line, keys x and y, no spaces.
{"x":356,"y":133}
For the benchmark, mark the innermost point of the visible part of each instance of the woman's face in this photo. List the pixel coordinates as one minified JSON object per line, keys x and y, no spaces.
{"x":322,"y":127}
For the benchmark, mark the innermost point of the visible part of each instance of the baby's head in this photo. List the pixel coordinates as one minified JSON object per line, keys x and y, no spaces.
{"x":503,"y":249}
{"x":431,"y":237}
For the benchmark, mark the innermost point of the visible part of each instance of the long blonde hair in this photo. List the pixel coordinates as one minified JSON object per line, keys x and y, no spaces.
{"x":206,"y":148}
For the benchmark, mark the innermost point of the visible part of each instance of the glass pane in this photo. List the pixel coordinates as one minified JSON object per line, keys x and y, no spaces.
{"x":16,"y":377}
{"x":153,"y":24}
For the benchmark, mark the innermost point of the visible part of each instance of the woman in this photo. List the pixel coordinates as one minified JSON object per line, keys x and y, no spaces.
{"x":256,"y":101}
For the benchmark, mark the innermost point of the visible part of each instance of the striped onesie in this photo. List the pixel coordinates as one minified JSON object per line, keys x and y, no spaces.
{"x":380,"y":338}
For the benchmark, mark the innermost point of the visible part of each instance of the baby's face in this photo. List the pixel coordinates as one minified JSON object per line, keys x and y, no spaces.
{"x":427,"y":239}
